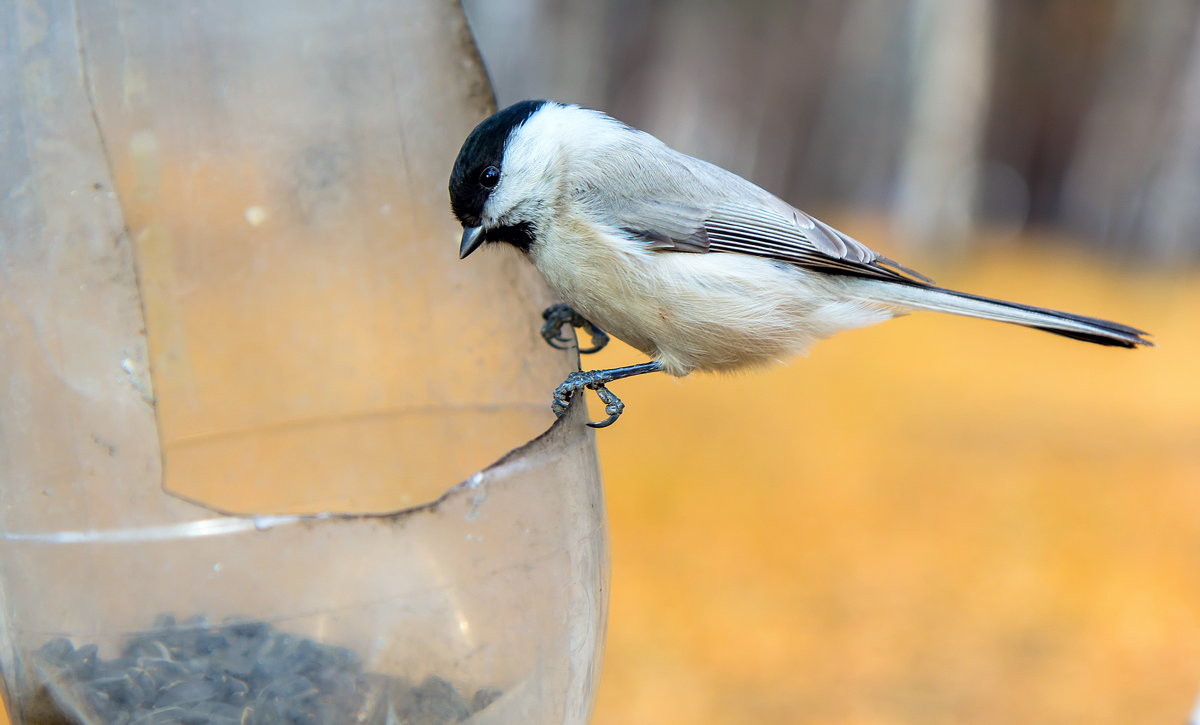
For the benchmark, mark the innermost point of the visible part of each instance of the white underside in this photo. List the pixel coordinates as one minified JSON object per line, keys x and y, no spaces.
{"x":699,"y":311}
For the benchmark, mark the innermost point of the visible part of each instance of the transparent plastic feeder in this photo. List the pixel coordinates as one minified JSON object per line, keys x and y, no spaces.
{"x":270,"y":453}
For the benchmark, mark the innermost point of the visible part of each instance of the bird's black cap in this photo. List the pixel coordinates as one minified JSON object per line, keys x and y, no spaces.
{"x":484,"y":148}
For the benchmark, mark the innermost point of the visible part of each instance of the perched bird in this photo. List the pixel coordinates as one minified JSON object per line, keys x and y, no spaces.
{"x":685,"y":261}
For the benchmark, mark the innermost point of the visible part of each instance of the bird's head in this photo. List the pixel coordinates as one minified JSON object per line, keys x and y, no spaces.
{"x":512,"y":169}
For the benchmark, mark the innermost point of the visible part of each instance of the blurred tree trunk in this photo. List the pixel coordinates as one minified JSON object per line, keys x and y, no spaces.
{"x":940,"y":165}
{"x":1172,"y":221}
{"x":862,"y":119}
{"x":1045,"y":74}
{"x":519,"y":38}
{"x":1135,"y":180}
{"x":733,"y":83}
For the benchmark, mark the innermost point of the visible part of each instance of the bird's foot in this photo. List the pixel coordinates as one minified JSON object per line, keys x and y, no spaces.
{"x":591,"y":380}
{"x":598,"y":380}
{"x":560,"y":314}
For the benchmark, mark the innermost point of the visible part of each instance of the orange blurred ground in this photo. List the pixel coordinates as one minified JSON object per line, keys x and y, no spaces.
{"x":936,"y":520}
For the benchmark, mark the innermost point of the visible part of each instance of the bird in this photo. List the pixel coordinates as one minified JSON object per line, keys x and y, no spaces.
{"x":693,"y":265}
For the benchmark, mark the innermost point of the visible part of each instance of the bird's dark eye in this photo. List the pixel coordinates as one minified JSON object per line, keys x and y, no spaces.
{"x":489,"y":177}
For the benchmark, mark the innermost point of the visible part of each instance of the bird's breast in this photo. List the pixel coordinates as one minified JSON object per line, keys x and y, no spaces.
{"x":601,"y":277}
{"x":689,"y":311}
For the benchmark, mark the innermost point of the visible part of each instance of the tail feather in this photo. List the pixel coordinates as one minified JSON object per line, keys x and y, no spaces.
{"x":1067,"y":324}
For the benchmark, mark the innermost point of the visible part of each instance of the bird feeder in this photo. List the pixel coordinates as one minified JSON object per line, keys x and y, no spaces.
{"x":269,"y":451}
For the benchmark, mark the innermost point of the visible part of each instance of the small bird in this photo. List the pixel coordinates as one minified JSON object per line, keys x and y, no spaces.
{"x":691,"y":264}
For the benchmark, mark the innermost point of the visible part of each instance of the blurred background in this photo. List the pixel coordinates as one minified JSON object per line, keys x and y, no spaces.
{"x":1081,"y":115}
{"x":936,"y":520}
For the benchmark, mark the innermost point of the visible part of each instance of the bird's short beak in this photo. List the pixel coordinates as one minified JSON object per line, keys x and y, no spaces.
{"x":472,"y":238}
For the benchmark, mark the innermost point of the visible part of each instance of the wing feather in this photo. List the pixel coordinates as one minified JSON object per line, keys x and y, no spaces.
{"x":763,"y":232}
{"x":677,"y":203}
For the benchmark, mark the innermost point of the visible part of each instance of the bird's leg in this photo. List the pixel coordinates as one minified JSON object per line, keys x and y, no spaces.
{"x":558,"y":315}
{"x":596,"y":380}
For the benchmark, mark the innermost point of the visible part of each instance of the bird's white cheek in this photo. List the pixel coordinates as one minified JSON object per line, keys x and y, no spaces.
{"x":490,"y":211}
{"x":498,"y":202}
{"x":521,"y":196}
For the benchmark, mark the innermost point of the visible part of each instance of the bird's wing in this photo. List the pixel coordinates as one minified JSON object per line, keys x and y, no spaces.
{"x":678,"y":203}
{"x":763,"y":227}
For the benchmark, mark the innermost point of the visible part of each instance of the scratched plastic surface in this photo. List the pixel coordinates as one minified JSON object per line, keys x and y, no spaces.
{"x":227,"y":269}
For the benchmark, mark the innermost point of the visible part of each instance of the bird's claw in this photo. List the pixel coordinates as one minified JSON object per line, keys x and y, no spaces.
{"x":591,"y":380}
{"x":612,"y":405}
{"x":560,"y":314}
{"x":599,"y":339}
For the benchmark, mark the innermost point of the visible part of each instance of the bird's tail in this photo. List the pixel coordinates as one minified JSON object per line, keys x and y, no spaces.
{"x":937,"y":299}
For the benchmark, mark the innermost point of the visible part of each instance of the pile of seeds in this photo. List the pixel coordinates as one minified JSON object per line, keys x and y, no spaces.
{"x":244,"y":673}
